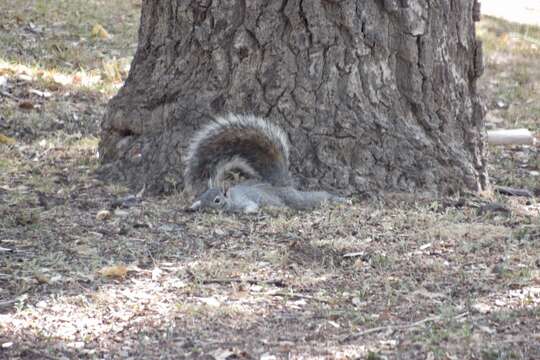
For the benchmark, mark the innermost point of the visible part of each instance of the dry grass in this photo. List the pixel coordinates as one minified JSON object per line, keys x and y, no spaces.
{"x":512,"y":87}
{"x":396,"y":279}
{"x":513,"y":74}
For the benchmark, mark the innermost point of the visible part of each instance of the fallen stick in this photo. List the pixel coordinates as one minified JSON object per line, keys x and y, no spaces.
{"x":7,"y":303}
{"x":299,"y":296}
{"x":277,"y":283}
{"x":505,"y":190}
{"x":510,"y":137}
{"x":399,"y":327}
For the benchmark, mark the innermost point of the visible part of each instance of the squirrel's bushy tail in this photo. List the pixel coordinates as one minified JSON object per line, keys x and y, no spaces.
{"x":246,"y":143}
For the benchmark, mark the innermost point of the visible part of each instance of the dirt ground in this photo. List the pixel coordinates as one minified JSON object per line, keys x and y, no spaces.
{"x":89,"y":271}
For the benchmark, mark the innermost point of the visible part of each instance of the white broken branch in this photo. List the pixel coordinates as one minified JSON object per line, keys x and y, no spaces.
{"x":510,"y":137}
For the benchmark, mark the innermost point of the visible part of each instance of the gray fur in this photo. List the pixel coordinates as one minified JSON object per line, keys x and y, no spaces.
{"x":258,"y":149}
{"x":226,"y":166}
{"x":249,"y":197}
{"x":197,"y":177}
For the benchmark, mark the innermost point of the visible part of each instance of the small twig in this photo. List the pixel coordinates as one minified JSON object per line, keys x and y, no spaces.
{"x":39,"y":354}
{"x":8,"y":95}
{"x":365,"y":332}
{"x":399,"y":327}
{"x":278,"y":283}
{"x":494,"y":208}
{"x":7,"y":303}
{"x":299,"y":296}
{"x":506,"y":190}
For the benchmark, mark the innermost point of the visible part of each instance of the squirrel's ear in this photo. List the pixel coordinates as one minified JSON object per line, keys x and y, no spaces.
{"x":196,"y":205}
{"x":225,"y":189}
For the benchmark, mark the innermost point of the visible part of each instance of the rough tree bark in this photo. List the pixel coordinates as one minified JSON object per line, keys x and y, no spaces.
{"x":374,"y":94}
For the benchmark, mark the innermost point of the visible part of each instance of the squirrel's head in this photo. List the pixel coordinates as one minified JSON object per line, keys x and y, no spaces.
{"x":213,"y":198}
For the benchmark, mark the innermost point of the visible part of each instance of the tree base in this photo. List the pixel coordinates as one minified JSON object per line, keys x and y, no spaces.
{"x":374,"y":97}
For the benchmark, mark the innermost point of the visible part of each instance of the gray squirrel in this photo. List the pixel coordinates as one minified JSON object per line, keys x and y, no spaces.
{"x":255,"y":148}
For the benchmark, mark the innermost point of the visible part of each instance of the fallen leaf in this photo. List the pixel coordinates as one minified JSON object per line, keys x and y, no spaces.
{"x":356,"y":301}
{"x":429,"y":295}
{"x":42,"y":278}
{"x":487,"y":329}
{"x":103,"y":215}
{"x":482,"y":308}
{"x":61,"y":79}
{"x":85,"y":250}
{"x":77,"y":345}
{"x":220,"y":232}
{"x":222,"y":354}
{"x":26,"y":104}
{"x":334,"y":324}
{"x":24,"y":77}
{"x":210,"y":301}
{"x":27,"y":218}
{"x":6,"y":140}
{"x":99,"y":31}
{"x":156,"y":273}
{"x":121,"y":213}
{"x":359,"y":264}
{"x":115,"y":271}
{"x":76,"y":80}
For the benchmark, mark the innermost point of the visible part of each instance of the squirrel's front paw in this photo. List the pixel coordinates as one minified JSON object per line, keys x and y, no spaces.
{"x":342,"y":200}
{"x":251,"y":208}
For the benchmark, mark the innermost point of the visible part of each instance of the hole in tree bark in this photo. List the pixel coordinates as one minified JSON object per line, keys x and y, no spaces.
{"x":125,"y":132}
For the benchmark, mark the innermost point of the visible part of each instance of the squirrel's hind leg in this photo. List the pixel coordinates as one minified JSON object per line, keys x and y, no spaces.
{"x":240,"y":201}
{"x":250,"y":207}
{"x":303,"y":200}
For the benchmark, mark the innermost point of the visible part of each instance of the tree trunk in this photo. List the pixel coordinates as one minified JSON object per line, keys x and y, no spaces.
{"x":374,"y":94}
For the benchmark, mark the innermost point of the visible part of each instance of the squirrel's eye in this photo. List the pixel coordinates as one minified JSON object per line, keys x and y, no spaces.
{"x":217,"y":200}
